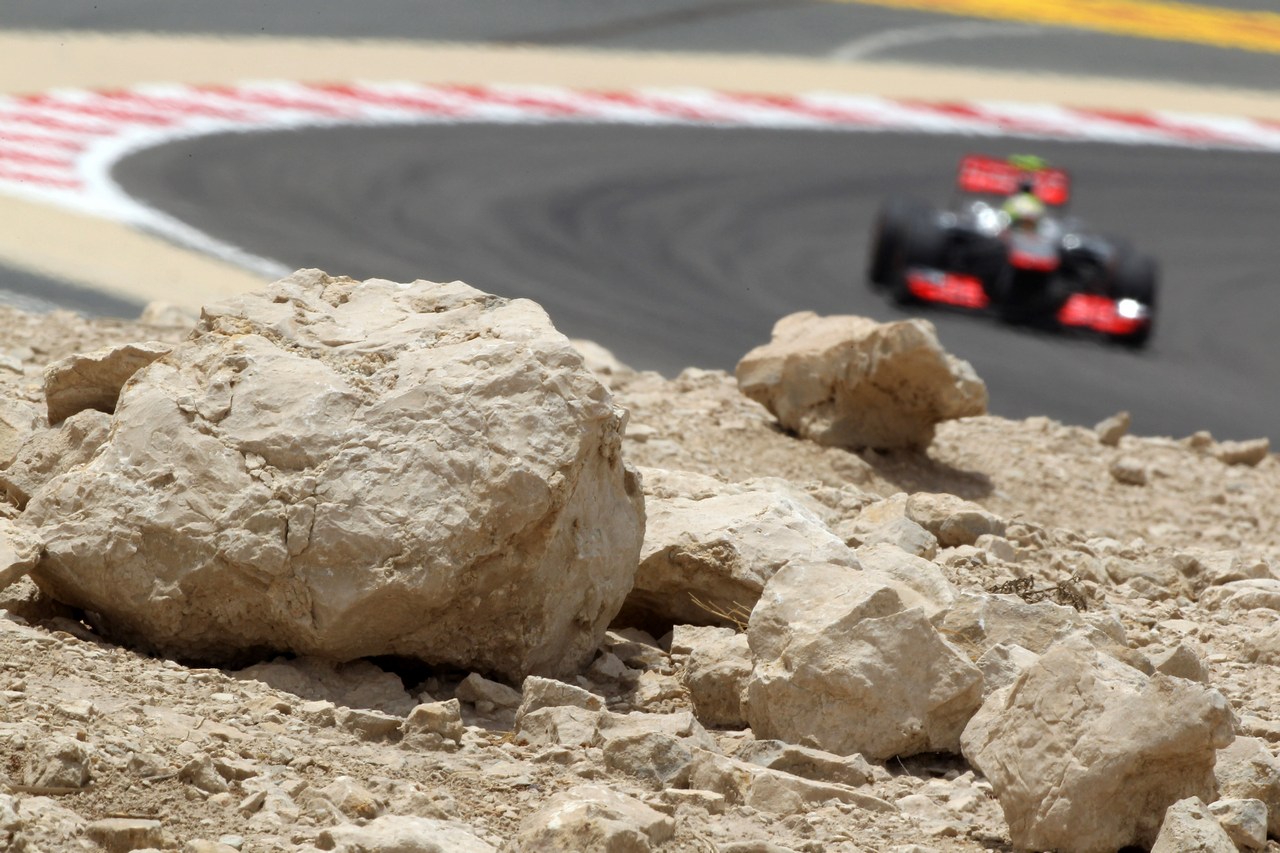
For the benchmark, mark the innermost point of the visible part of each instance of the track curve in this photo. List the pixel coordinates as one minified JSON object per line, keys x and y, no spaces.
{"x":680,"y":246}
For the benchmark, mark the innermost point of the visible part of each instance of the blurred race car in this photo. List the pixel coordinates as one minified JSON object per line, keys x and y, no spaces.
{"x":1006,"y":246}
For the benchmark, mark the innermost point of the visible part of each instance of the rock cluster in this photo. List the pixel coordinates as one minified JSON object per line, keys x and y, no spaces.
{"x":580,"y":607}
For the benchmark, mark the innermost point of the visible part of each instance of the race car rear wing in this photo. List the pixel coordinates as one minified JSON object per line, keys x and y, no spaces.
{"x":986,"y":175}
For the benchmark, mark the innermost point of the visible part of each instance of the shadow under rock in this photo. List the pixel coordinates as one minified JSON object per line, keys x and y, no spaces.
{"x":913,"y":471}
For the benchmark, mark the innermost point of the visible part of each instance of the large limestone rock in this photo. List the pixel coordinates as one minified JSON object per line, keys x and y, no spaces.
{"x":852,"y":382}
{"x":1085,"y":753}
{"x":345,"y":469}
{"x":843,"y":666}
{"x":711,"y":549}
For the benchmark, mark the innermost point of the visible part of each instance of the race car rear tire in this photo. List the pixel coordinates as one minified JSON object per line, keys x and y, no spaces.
{"x":1136,"y":277}
{"x":922,"y":245}
{"x":887,"y":236}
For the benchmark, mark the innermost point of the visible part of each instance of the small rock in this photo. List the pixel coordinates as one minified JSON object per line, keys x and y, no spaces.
{"x":708,"y":801}
{"x":608,"y":667}
{"x":81,"y":710}
{"x":1245,"y":821}
{"x":403,"y":834}
{"x":1247,"y":769}
{"x":1248,"y":453}
{"x":166,"y":314}
{"x":818,"y":618}
{"x":1085,"y":753}
{"x":1199,"y":440}
{"x":1189,"y":826}
{"x":352,"y":799}
{"x":203,"y":845}
{"x":437,"y":723}
{"x":558,"y":726}
{"x":121,"y":835}
{"x":745,"y":784}
{"x":593,"y":817}
{"x":59,"y":762}
{"x":539,"y":692}
{"x":803,"y":761}
{"x":369,"y":724}
{"x":953,"y":520}
{"x":1261,"y":593}
{"x":902,"y":533}
{"x":1129,"y":471}
{"x":658,"y":759}
{"x":477,"y":688}
{"x":716,"y":674}
{"x":200,"y":773}
{"x":320,"y":712}
{"x":1112,"y":429}
{"x":848,"y":381}
{"x":1182,"y":661}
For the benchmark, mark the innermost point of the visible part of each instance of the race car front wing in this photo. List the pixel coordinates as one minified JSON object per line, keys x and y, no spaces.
{"x":1103,"y":314}
{"x":1119,"y":317}
{"x":946,"y":288}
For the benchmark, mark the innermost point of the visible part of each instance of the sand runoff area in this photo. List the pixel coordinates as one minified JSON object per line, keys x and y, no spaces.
{"x":114,"y":258}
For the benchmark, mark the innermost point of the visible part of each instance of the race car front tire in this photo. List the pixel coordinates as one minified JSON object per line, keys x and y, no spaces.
{"x":888,"y":235}
{"x":922,"y":245}
{"x":1136,"y":277}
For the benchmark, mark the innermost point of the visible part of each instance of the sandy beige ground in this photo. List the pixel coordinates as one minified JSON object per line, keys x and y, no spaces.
{"x":108,"y":256}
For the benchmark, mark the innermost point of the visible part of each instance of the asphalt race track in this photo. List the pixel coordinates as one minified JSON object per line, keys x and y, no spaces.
{"x":810,"y":28}
{"x":680,"y":247}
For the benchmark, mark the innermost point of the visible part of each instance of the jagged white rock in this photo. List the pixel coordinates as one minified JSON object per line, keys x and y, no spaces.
{"x":842,"y":665}
{"x":1085,"y":753}
{"x":852,"y":382}
{"x":711,"y":552}
{"x":345,"y":469}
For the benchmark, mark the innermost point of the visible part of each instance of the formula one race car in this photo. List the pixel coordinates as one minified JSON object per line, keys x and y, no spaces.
{"x":1007,"y":247}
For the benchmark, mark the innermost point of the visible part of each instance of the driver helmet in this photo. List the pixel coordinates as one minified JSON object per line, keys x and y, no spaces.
{"x":1024,"y":210}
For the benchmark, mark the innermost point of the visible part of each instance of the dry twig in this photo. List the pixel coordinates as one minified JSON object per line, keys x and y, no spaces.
{"x":735,"y":613}
{"x":1065,"y":592}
